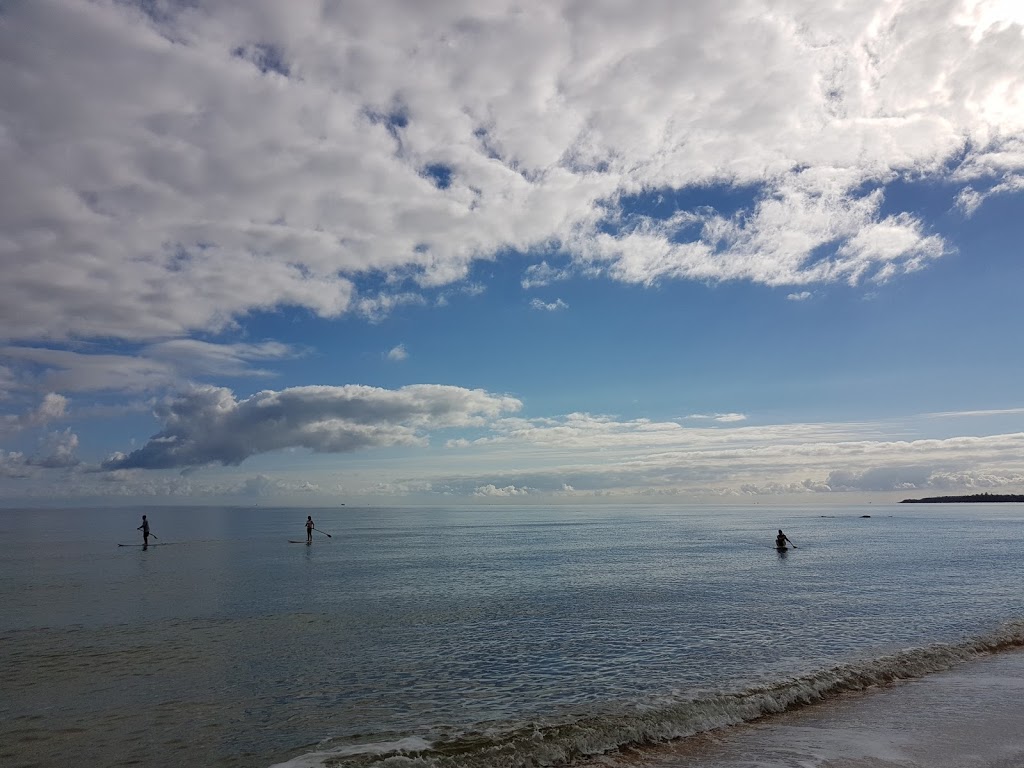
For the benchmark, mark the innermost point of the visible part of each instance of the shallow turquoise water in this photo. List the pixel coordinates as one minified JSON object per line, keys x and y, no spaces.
{"x":460,"y":627}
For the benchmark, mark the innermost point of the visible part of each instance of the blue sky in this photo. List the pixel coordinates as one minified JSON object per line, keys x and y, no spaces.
{"x":404,"y":253}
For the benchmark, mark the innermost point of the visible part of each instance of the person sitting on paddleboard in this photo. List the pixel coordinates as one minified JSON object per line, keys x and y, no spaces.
{"x":145,"y":531}
{"x":309,"y":529}
{"x":781,"y":539}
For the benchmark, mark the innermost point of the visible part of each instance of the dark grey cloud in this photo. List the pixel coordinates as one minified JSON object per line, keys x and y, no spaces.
{"x":207,"y":425}
{"x":891,"y":478}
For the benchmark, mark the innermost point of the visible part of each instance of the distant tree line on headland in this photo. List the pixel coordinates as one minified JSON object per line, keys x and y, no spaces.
{"x":975,"y":497}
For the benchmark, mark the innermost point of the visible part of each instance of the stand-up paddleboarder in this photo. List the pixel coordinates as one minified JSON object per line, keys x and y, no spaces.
{"x":309,"y":529}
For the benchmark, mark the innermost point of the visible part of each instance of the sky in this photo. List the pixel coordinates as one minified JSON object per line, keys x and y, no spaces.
{"x":403,"y":253}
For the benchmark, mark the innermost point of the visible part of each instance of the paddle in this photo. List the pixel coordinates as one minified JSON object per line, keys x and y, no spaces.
{"x":325,"y":533}
{"x":154,"y":535}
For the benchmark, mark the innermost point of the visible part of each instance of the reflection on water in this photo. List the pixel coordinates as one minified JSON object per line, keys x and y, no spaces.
{"x":231,"y":642}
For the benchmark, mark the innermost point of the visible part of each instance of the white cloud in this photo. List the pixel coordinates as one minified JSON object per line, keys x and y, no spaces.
{"x":575,"y":456}
{"x":398,"y":353}
{"x":289,"y":153}
{"x":395,"y":488}
{"x":52,"y":408}
{"x":57,"y":451}
{"x":508,"y":490}
{"x":13,"y":465}
{"x":777,"y":242}
{"x":1011,"y":184}
{"x":194,"y":357}
{"x":723,"y":418}
{"x":207,"y":425}
{"x":86,"y":372}
{"x":153,"y":367}
{"x":553,"y":306}
{"x":174,"y":176}
{"x":599,"y":454}
{"x":542,"y":274}
{"x":965,"y":414}
{"x":376,"y":308}
{"x":921,"y":478}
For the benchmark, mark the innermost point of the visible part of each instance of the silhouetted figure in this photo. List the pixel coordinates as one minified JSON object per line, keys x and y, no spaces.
{"x":309,"y":529}
{"x":145,"y":532}
{"x":781,"y":540}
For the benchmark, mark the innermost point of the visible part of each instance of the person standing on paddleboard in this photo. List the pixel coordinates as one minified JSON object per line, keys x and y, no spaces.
{"x":781,"y":539}
{"x":145,"y":531}
{"x":309,"y":529}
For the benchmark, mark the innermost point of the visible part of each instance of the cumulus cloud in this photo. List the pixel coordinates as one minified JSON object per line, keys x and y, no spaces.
{"x":52,"y":408}
{"x":801,"y":296}
{"x":507,"y":491}
{"x":398,"y":353}
{"x":208,"y":425}
{"x":14,"y":465}
{"x":294,"y":153}
{"x":58,"y":451}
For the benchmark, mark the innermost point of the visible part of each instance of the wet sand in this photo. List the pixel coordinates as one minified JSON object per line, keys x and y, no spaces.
{"x":969,"y":717}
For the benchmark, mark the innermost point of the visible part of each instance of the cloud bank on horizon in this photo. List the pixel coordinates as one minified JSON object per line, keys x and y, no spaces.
{"x":180,"y":174}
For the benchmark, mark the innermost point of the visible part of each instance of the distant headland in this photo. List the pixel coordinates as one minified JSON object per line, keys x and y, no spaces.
{"x":1018,"y":497}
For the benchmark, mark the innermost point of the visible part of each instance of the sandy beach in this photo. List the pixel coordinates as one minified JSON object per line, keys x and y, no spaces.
{"x":971,"y":716}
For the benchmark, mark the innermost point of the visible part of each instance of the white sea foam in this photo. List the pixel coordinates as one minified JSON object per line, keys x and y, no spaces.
{"x":570,"y":742}
{"x":388,"y":748}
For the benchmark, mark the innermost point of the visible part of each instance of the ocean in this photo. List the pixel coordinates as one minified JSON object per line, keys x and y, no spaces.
{"x":510,"y":637}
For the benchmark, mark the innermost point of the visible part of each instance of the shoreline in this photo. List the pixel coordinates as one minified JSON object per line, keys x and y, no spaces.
{"x":965,"y":717}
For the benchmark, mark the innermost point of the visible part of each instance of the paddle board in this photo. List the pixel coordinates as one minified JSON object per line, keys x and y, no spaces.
{"x":292,"y":541}
{"x":164,"y":544}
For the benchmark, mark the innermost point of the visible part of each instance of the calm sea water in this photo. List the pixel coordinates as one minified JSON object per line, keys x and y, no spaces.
{"x":473,"y":637}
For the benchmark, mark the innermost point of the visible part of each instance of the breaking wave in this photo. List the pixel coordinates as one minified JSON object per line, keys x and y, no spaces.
{"x":574,"y":741}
